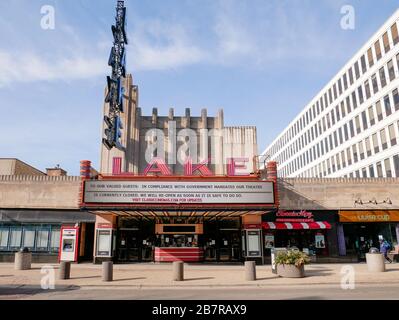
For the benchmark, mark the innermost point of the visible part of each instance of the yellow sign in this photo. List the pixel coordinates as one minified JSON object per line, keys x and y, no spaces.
{"x":369,"y":216}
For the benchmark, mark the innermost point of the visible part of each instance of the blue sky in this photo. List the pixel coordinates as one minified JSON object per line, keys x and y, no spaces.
{"x":261,"y":61}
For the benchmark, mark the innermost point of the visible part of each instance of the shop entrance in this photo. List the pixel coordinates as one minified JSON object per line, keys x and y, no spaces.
{"x":222,"y":240}
{"x":359,"y":238}
{"x":135,"y":240}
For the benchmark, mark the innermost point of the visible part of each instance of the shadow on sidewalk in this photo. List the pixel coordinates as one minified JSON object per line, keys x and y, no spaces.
{"x":128,"y":279}
{"x":318,"y":273}
{"x":203,"y":278}
{"x":32,"y":290}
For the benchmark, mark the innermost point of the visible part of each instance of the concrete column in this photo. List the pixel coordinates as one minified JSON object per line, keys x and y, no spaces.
{"x":178,"y":271}
{"x":108,"y":270}
{"x":341,"y":240}
{"x":397,"y":233}
{"x":250,"y":271}
{"x":65,"y":270}
{"x":23,"y":260}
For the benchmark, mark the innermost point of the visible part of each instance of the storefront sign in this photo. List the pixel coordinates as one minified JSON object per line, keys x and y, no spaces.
{"x":369,"y":216}
{"x":294,"y":216}
{"x":191,"y":192}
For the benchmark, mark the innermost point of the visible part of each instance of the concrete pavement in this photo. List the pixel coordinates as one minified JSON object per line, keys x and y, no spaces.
{"x":145,"y":280}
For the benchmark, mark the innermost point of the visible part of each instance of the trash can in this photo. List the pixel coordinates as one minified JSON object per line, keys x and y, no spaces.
{"x":23,"y":259}
{"x":375,"y":260}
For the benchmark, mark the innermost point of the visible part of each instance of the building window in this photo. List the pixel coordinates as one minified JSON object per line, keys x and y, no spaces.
{"x":379,"y":111}
{"x":371,"y":171}
{"x":340,"y":136}
{"x":391,"y":70}
{"x":371,"y":116}
{"x":352,"y":129}
{"x":375,"y":143}
{"x":392,"y":135}
{"x":385,"y":41}
{"x":331,"y":142}
{"x":383,"y":79}
{"x":360,"y":92}
{"x":377,"y":48}
{"x":338,"y":162}
{"x":55,"y":240}
{"x":370,"y":57}
{"x":364,"y":173}
{"x":335,"y":139}
{"x":357,"y":123}
{"x":330,"y":96}
{"x":368,"y":147}
{"x":363,"y":63}
{"x":342,"y":109}
{"x":388,"y":170}
{"x":374,"y":83}
{"x":335,"y":91}
{"x":349,"y":156}
{"x":396,"y":165}
{"x":361,"y":150}
{"x":364,"y":120}
{"x":15,"y":239}
{"x":4,"y":233}
{"x":339,"y":87}
{"x":332,"y":115}
{"x":354,"y":100}
{"x":355,"y":157}
{"x":367,"y":89}
{"x":357,"y":73}
{"x":387,"y":104}
{"x":396,"y":99}
{"x":379,"y":170}
{"x":346,"y":132}
{"x":29,"y":238}
{"x":383,"y":137}
{"x":345,"y":81}
{"x":343,"y":159}
{"x":350,"y":76}
{"x":42,"y":240}
{"x":394,"y":34}
{"x":348,"y":104}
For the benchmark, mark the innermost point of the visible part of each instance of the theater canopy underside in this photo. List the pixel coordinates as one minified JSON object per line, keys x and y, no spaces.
{"x":202,"y":214}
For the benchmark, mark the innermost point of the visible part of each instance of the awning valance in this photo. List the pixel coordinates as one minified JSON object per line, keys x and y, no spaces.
{"x":317,"y":225}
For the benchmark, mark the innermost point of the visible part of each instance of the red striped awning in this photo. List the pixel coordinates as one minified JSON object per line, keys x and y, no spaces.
{"x":296,"y":225}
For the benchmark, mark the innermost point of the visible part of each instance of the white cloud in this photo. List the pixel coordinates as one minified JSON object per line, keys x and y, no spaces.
{"x":159,"y":46}
{"x":30,"y":67}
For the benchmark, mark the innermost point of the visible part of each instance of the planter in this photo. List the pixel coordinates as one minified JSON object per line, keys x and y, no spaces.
{"x":290,"y":271}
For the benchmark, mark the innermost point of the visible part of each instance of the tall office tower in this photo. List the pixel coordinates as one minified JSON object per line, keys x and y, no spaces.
{"x":351,"y":127}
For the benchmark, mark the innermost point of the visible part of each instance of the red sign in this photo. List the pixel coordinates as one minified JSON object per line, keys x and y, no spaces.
{"x":235,"y":167}
{"x":294,"y":216}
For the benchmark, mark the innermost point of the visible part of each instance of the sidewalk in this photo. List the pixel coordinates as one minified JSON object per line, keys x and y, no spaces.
{"x":206,"y":276}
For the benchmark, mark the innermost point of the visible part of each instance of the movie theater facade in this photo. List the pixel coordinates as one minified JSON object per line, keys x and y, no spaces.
{"x":183,"y":188}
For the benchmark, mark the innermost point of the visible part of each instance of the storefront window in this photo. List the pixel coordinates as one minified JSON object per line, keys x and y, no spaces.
{"x":42,"y":240}
{"x":15,"y":240}
{"x":29,"y":238}
{"x":55,"y":240}
{"x":4,"y":233}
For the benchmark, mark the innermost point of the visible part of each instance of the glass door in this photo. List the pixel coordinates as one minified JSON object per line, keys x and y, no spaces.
{"x":128,"y":245}
{"x":229,"y":246}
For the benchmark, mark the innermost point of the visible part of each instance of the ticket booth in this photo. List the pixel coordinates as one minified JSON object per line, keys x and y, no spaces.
{"x":69,"y":241}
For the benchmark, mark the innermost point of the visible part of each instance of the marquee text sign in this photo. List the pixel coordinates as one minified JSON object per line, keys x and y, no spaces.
{"x":192,"y":192}
{"x":369,"y":216}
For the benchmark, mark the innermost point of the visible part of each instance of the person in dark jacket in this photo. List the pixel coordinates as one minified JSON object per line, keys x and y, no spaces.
{"x":384,"y":249}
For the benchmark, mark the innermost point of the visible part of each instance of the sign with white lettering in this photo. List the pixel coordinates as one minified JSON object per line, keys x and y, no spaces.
{"x":191,"y":192}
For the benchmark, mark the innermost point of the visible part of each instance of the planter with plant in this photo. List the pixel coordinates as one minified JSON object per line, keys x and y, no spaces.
{"x":291,"y":263}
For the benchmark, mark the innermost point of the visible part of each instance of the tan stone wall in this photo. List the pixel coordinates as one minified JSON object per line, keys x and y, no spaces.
{"x":338,"y":193}
{"x":39,"y":192}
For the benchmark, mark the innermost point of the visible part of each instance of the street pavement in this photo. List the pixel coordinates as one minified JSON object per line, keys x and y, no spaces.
{"x":202,"y":282}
